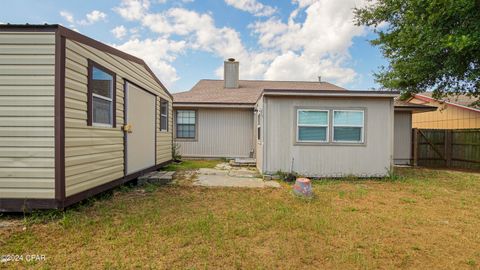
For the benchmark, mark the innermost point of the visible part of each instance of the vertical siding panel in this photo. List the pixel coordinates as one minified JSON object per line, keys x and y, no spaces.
{"x":372,"y":159}
{"x":403,"y":137}
{"x":221,"y":133}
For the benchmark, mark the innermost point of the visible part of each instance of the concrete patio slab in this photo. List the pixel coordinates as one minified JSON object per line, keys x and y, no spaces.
{"x":232,"y":178}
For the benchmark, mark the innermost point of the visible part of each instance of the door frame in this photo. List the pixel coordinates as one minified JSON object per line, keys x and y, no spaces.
{"x":125,"y":110}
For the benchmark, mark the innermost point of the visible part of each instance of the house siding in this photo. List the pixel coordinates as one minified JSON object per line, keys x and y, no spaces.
{"x":259,"y":143}
{"x":445,"y":117}
{"x":374,"y":158}
{"x":95,"y":155}
{"x":220,"y":133}
{"x":402,"y":152}
{"x":27,"y":156}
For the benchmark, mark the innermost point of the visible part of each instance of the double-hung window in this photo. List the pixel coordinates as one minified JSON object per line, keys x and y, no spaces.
{"x":163,"y":115}
{"x":101,"y":111}
{"x":312,"y":125}
{"x":258,"y":126}
{"x":348,"y":126}
{"x":186,"y":124}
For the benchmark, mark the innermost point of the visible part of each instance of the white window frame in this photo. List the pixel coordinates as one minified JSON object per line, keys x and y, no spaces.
{"x":111,"y":109}
{"x":362,"y":134}
{"x":310,"y":125}
{"x":164,"y":115}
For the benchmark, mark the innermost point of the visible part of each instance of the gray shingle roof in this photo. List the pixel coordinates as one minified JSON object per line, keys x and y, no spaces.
{"x":213,"y":91}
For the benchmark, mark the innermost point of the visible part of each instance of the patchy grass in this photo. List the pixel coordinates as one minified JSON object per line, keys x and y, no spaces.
{"x":425,"y":219}
{"x":193,"y":165}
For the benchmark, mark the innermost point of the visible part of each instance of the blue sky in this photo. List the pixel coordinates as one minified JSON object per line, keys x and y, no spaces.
{"x":184,"y":41}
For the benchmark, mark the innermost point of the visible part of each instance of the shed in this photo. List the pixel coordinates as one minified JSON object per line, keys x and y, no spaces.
{"x":77,"y":117}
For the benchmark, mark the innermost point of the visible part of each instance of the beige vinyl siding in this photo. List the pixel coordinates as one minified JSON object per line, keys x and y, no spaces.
{"x":220,"y":133}
{"x":27,"y":156}
{"x":95,"y":155}
{"x":403,"y":138}
{"x":373,"y":158}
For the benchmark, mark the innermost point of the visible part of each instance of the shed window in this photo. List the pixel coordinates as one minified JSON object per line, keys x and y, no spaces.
{"x":163,"y":115}
{"x":312,"y":125}
{"x":186,"y":124}
{"x":348,"y":126}
{"x":101,"y":96}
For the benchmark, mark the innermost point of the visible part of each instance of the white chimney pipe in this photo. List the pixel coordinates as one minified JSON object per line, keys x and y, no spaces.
{"x":231,"y":73}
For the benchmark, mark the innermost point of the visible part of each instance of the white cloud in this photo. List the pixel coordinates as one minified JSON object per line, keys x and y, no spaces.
{"x":252,"y":6}
{"x":317,"y":46}
{"x":67,"y":16}
{"x":158,"y":54}
{"x":300,"y":48}
{"x":133,"y":9}
{"x":119,"y":31}
{"x":95,"y":16}
{"x":90,"y":18}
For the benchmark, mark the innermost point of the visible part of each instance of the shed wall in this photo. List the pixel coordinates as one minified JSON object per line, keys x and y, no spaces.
{"x":220,"y":133}
{"x":374,"y":158}
{"x":95,"y":155}
{"x":402,"y":152}
{"x":27,"y":156}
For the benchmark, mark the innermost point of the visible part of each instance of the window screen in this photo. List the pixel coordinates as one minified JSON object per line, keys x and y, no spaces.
{"x":186,"y":126}
{"x":163,"y":115}
{"x":348,"y":126}
{"x":101,"y":89}
{"x":312,"y":126}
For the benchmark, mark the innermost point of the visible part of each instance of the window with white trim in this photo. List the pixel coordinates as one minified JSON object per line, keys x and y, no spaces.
{"x":348,"y":126}
{"x":312,"y":125}
{"x":163,"y":115}
{"x":186,"y":124}
{"x":101,"y":89}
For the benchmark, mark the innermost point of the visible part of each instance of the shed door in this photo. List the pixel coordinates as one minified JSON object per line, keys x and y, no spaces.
{"x":140,"y":115}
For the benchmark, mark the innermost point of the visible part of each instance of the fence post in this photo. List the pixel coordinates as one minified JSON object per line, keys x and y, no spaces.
{"x":448,"y":147}
{"x":415,"y":147}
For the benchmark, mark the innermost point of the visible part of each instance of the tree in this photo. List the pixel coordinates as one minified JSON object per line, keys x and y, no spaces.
{"x":430,"y":44}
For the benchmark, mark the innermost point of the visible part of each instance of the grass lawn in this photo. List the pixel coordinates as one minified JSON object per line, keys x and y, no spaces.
{"x":425,"y":219}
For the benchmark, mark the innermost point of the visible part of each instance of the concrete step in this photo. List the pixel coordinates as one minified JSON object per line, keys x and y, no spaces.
{"x":243,"y":162}
{"x":158,"y":177}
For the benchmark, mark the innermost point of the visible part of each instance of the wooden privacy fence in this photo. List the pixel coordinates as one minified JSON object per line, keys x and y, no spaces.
{"x":450,"y":148}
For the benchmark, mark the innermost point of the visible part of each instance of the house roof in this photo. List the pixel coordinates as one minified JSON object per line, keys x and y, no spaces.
{"x":213,"y":91}
{"x":401,"y":105}
{"x":68,"y":33}
{"x":461,"y":100}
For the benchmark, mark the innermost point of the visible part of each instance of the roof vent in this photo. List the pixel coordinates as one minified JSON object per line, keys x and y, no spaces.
{"x":319,"y":78}
{"x":231,"y":73}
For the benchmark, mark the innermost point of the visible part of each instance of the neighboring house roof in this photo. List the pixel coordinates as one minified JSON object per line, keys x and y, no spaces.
{"x":213,"y":91}
{"x":401,"y":105}
{"x":71,"y":34}
{"x":461,"y":101}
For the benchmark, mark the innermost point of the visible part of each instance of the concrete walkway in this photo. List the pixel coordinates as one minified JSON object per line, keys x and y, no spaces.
{"x":226,"y":176}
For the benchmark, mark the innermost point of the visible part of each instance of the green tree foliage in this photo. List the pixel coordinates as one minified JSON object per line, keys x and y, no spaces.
{"x":430,"y":44}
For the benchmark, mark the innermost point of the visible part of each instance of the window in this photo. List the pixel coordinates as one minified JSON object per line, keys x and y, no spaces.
{"x":186,"y":120}
{"x":258,"y":126}
{"x":312,"y":126}
{"x":348,"y":126}
{"x":163,"y":115}
{"x":101,"y":97}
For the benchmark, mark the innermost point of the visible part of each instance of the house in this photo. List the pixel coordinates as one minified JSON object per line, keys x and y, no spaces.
{"x":313,"y":128}
{"x":454,"y":112}
{"x":78,"y":117}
